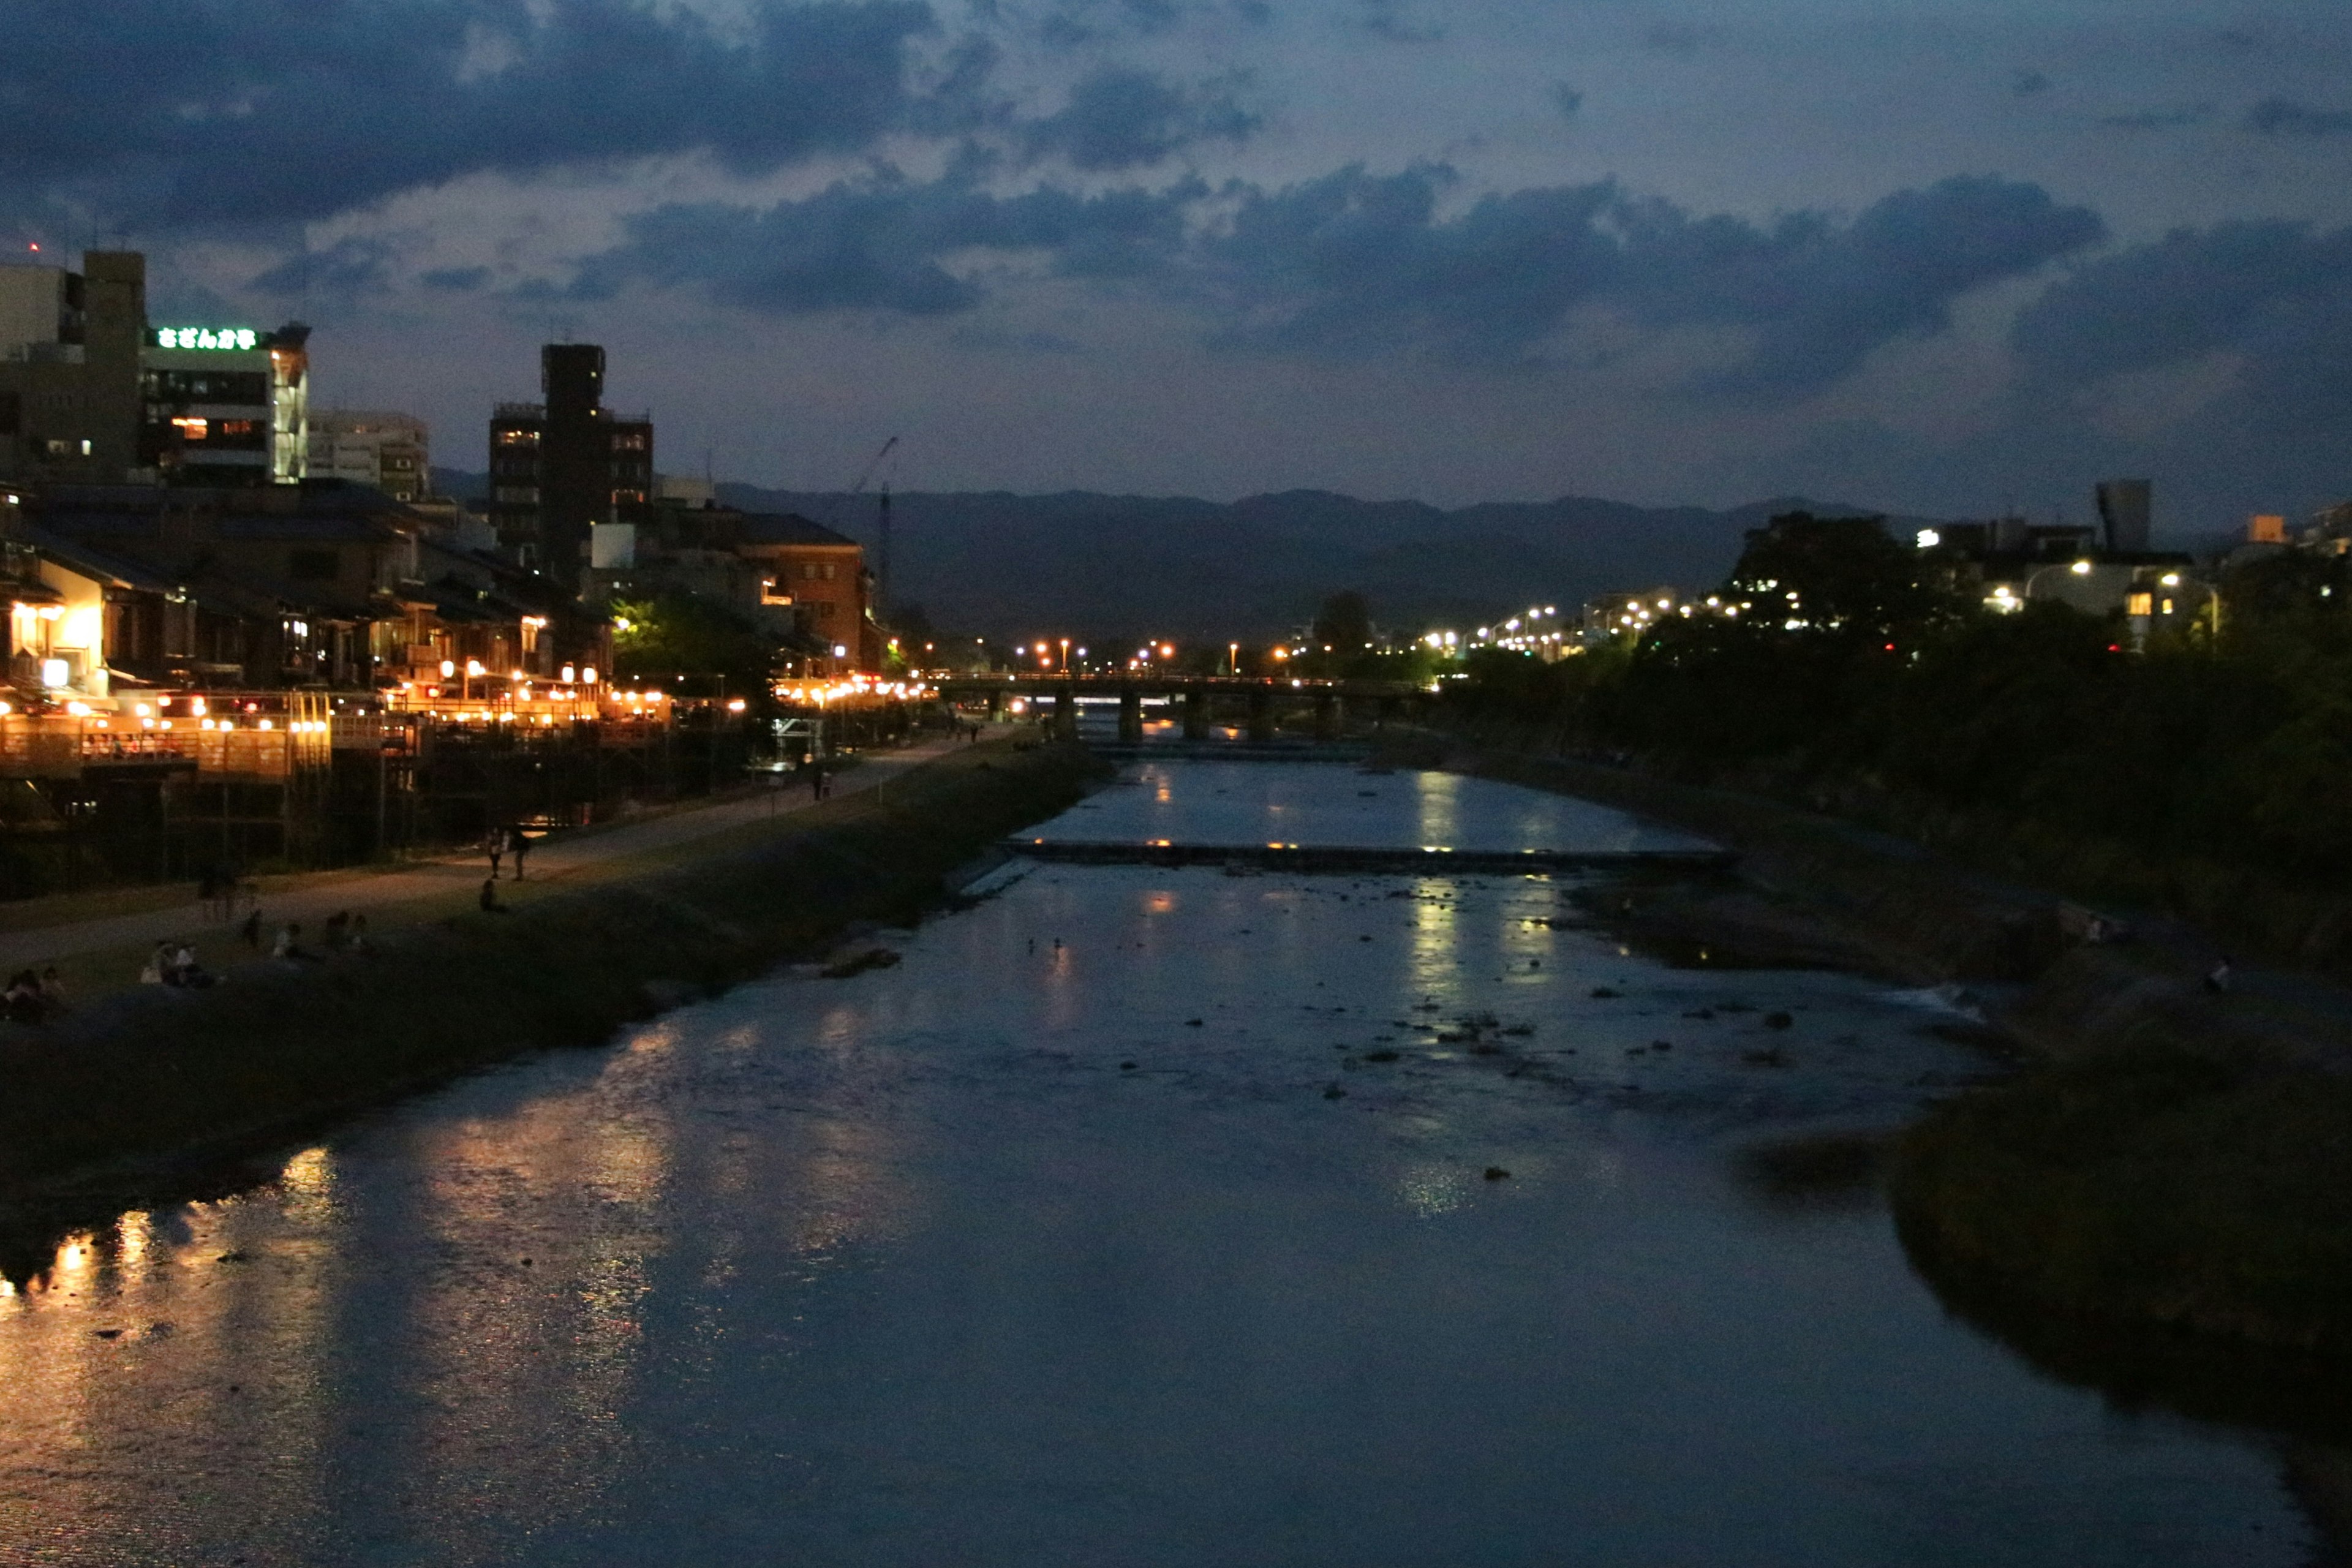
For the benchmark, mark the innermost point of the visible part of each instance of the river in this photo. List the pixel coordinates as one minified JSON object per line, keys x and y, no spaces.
{"x":1137,"y":1216}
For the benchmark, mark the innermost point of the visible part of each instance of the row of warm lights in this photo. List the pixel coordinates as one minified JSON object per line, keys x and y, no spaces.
{"x":1508,"y":635}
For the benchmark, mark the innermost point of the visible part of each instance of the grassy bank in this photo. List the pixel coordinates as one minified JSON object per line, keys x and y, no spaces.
{"x":2147,"y":1187}
{"x":2171,"y":1163}
{"x":161,"y":1072}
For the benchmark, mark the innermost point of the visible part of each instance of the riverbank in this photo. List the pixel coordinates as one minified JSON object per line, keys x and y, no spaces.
{"x":159,"y":1073}
{"x":2172,"y":1157}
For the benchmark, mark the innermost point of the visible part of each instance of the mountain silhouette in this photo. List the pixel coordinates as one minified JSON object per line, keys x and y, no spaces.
{"x":1081,"y":563}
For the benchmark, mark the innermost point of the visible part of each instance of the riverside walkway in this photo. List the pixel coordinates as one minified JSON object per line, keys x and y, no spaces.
{"x":98,"y":952}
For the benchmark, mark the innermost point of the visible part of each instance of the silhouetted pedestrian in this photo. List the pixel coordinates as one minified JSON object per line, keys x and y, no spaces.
{"x":494,"y":844}
{"x":491,"y":905}
{"x":520,"y":841}
{"x":252,"y":929}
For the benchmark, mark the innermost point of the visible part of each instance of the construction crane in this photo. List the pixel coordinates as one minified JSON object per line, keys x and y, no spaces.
{"x":882,"y":553}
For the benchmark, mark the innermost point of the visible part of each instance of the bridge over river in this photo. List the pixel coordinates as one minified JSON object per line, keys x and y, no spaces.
{"x":1257,"y":704}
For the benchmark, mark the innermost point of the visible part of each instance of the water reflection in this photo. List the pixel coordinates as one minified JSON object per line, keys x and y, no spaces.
{"x":1055,"y":1243}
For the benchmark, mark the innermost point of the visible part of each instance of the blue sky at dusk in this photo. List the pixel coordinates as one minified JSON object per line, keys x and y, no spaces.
{"x":1936,"y":257}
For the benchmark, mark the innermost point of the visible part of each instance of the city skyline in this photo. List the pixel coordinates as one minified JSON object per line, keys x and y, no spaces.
{"x":1966,"y":259}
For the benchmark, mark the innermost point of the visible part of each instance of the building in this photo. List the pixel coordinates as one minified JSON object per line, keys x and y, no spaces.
{"x":820,"y":576}
{"x":70,"y":344}
{"x":225,"y":405}
{"x":393,"y":452}
{"x":800,"y":582}
{"x":2124,"y":514}
{"x":561,"y":469}
{"x":2109,"y":570}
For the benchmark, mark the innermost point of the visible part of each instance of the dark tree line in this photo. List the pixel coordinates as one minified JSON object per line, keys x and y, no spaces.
{"x":1868,"y":672}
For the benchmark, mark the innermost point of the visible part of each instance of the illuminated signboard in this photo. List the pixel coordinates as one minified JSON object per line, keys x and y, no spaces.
{"x":207,"y":338}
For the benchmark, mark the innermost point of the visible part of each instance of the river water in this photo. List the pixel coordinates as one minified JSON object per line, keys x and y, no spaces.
{"x":1105,"y":1228}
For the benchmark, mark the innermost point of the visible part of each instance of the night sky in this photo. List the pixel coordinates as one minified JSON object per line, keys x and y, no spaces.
{"x":1936,"y":257}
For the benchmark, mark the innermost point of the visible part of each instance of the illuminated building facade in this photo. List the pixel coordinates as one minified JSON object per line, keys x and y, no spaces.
{"x":225,"y":405}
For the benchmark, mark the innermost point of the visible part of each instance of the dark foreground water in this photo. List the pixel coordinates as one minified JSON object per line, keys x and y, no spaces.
{"x":915,"y":1269}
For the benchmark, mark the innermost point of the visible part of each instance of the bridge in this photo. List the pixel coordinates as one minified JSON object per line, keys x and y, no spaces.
{"x":1257,"y":703}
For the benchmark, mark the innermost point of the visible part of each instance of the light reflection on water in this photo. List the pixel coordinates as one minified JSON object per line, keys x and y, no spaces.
{"x":913,"y":1268}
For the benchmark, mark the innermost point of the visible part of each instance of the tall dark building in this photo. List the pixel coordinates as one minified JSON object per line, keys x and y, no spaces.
{"x":560,"y":468}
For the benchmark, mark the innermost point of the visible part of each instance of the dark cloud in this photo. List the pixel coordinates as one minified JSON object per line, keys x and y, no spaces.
{"x":1120,"y":118}
{"x":2249,"y":323}
{"x":1677,"y":38}
{"x":1356,"y":264}
{"x":1359,"y":263}
{"x":1393,"y":20}
{"x":1566,"y":100}
{"x":1073,"y":23}
{"x":1257,"y":13}
{"x":350,"y":266}
{"x":2027,"y":83}
{"x":2273,"y":290}
{"x":2160,"y":119}
{"x":882,"y":244}
{"x":455,"y":279}
{"x":2281,"y":117}
{"x":275,"y":110}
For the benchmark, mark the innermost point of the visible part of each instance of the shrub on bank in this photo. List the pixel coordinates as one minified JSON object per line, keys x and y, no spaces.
{"x":2151,"y":1186}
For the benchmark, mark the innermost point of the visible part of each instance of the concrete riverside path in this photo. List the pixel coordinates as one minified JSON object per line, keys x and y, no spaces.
{"x":448,"y":880}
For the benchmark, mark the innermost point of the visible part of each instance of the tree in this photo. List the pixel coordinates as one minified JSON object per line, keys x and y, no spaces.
{"x":677,"y":634}
{"x":1843,"y":578}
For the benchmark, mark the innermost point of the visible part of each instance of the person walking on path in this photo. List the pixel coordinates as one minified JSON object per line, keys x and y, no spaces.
{"x":252,"y":931}
{"x":494,"y":843}
{"x":520,"y":841}
{"x":816,"y":779}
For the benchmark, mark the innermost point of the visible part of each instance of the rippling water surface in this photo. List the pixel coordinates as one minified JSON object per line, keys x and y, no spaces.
{"x":1102,"y":1230}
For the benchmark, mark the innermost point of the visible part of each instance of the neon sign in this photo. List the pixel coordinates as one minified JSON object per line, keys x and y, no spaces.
{"x":207,"y":338}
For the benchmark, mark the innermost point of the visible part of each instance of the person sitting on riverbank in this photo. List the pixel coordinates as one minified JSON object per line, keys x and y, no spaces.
{"x":23,"y":998}
{"x":491,"y":905}
{"x":186,"y":972}
{"x":158,"y":966}
{"x":288,"y":945}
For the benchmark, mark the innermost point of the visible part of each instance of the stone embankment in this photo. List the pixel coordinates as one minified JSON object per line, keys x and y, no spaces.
{"x":2175,"y":1159}
{"x":162,"y":1072}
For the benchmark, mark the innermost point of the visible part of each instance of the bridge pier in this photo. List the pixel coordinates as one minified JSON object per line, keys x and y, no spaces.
{"x":1065,"y":713}
{"x":1196,"y":714}
{"x":1261,"y":714}
{"x":1327,"y":716}
{"x":996,"y":705}
{"x":1130,"y":715}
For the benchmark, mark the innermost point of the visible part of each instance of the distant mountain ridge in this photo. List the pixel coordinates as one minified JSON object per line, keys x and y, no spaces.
{"x":1087,"y":564}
